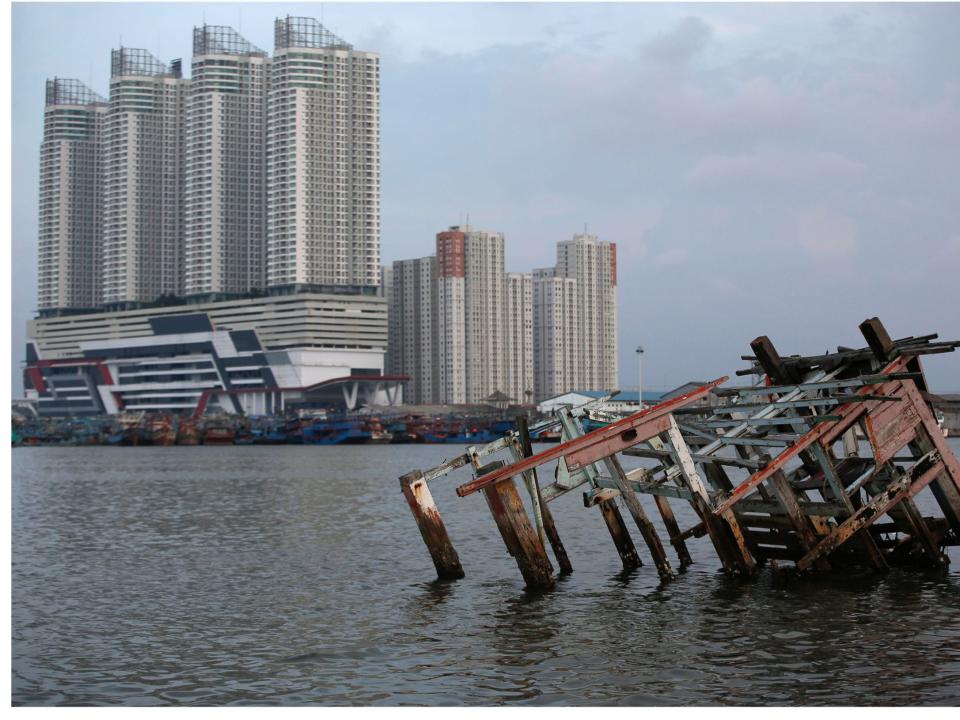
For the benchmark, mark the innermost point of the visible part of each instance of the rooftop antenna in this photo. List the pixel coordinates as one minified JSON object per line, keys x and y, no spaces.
{"x":468,"y":221}
{"x":240,"y":19}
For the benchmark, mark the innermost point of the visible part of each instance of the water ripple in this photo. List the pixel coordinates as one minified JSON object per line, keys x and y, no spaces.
{"x":294,"y":576}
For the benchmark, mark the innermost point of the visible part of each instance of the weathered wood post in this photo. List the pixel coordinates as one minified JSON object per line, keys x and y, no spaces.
{"x":521,"y":539}
{"x":673,"y":529}
{"x":619,"y":533}
{"x":549,"y":527}
{"x":434,"y":533}
{"x":647,"y":530}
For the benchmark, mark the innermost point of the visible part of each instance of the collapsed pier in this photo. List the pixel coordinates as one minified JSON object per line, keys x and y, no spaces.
{"x":817,"y":465}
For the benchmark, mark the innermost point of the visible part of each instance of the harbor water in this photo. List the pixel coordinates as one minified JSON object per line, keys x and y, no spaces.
{"x":295,"y":575}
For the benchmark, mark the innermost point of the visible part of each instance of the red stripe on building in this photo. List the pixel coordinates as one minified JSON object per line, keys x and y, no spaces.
{"x":451,"y":261}
{"x":36,"y":379}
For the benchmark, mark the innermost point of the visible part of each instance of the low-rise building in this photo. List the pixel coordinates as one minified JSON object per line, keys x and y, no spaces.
{"x":186,"y":365}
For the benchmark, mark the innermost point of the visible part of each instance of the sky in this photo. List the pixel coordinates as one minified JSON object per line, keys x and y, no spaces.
{"x":780,"y":170}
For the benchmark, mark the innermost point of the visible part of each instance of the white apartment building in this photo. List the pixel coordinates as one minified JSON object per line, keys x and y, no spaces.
{"x":323,"y":159}
{"x":518,"y":339}
{"x":593,"y":264}
{"x":412,"y":305}
{"x":450,"y":345}
{"x":465,"y":330}
{"x":68,"y":270}
{"x":484,"y":322}
{"x":225,"y":173}
{"x":557,"y":349}
{"x":143,"y":179}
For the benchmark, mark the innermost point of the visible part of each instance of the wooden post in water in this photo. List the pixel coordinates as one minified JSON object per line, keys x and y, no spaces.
{"x":670,"y":523}
{"x":646,"y":528}
{"x":621,"y":537}
{"x":519,"y":536}
{"x":434,"y":533}
{"x":549,"y":527}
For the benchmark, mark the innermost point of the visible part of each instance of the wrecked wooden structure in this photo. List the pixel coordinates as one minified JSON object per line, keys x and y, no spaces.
{"x":818,"y":465}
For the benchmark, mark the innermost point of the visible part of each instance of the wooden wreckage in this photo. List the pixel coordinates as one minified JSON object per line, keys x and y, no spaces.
{"x":818,"y":466}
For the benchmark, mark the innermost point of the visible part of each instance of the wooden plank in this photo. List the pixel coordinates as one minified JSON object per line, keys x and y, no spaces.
{"x":521,"y":539}
{"x":620,"y":535}
{"x":647,"y":530}
{"x":673,"y":529}
{"x":819,"y":433}
{"x":838,"y":494}
{"x":800,"y":522}
{"x":946,"y":487}
{"x":725,"y":532}
{"x":877,"y":338}
{"x":718,"y":459}
{"x":771,"y":362}
{"x":890,"y":429}
{"x":549,"y":526}
{"x":632,"y":430}
{"x":920,"y":532}
{"x":432,"y":529}
{"x":920,"y":476}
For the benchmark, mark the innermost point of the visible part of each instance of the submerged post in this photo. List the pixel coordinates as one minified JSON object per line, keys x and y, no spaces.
{"x":521,"y":539}
{"x":434,"y":533}
{"x":549,"y":526}
{"x":619,"y":534}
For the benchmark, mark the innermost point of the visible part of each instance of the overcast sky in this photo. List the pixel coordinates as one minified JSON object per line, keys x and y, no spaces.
{"x":786,"y":170}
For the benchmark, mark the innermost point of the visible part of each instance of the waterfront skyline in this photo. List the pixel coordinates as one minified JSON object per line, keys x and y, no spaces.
{"x":716,"y":144}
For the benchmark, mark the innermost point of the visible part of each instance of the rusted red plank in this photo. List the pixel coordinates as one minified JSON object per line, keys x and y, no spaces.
{"x":891,"y":426}
{"x":431,"y":526}
{"x":622,"y":428}
{"x":616,"y":443}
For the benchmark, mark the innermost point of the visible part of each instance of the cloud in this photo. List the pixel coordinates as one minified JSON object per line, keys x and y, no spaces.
{"x":672,"y":257}
{"x":680,"y":44}
{"x":825,"y":236}
{"x":773,"y":165}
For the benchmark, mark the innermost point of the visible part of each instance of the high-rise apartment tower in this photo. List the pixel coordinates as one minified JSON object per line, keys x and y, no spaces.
{"x":323,"y":159}
{"x":556,"y":346}
{"x":593,"y":264}
{"x":225,"y":165}
{"x":143,"y":179}
{"x":70,"y":196}
{"x":412,"y":312}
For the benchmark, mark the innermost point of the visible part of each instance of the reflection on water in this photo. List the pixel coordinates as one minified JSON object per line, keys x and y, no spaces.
{"x":258,"y":575}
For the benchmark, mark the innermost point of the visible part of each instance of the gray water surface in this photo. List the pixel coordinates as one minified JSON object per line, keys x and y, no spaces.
{"x":296,"y":575}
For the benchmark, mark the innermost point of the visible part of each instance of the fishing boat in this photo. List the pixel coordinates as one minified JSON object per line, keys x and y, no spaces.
{"x":377,"y":434}
{"x":335,"y":432}
{"x":162,"y":430}
{"x":188,"y":433}
{"x":218,"y":434}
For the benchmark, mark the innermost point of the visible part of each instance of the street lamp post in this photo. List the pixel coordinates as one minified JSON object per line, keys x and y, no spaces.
{"x":640,"y":376}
